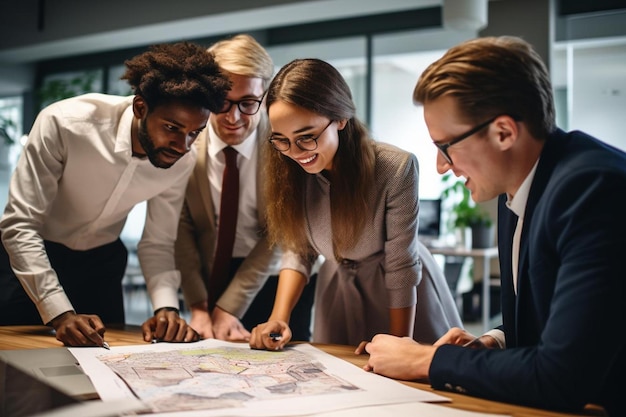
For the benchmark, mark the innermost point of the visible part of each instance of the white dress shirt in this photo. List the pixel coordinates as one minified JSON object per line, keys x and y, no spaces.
{"x":517,"y":204}
{"x":247,"y":235}
{"x":75,"y":183}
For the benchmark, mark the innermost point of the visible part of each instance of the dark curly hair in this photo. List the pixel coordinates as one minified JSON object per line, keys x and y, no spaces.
{"x":182,"y":72}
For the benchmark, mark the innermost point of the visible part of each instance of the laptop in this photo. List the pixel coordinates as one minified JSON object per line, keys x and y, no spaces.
{"x":21,"y":394}
{"x":56,"y":367}
{"x":47,"y":383}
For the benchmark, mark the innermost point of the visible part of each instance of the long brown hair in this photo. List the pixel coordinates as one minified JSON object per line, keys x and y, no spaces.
{"x":317,"y":86}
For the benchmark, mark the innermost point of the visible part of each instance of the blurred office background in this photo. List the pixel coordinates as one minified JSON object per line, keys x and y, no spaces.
{"x":55,"y":48}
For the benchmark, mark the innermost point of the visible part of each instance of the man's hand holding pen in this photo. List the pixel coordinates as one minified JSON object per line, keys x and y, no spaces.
{"x":79,"y":329}
{"x":458,"y":336}
{"x":167,"y":326}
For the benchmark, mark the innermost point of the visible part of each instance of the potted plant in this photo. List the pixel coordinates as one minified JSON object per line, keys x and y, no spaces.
{"x":61,"y":87}
{"x":465,"y":213}
{"x":7,"y":130}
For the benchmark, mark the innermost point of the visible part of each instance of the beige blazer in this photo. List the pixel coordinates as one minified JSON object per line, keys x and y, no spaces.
{"x":197,"y":237}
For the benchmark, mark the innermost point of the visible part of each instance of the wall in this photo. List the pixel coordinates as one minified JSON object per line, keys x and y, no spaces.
{"x":528,"y":19}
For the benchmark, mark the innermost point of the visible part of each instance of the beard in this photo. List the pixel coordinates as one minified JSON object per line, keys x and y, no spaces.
{"x":154,"y":154}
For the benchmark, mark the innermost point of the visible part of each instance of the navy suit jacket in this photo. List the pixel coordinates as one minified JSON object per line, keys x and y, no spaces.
{"x":565,"y":327}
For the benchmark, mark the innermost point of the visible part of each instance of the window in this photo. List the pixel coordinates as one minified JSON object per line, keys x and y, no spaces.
{"x":69,"y":84}
{"x":348,"y":55}
{"x":588,"y":96}
{"x":10,"y":136}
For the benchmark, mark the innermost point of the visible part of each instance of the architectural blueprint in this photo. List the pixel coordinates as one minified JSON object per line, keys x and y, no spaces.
{"x":219,"y":378}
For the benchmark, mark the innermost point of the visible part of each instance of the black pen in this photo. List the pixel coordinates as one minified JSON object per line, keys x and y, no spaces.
{"x":106,"y":345}
{"x":473,"y":343}
{"x":276,"y":336}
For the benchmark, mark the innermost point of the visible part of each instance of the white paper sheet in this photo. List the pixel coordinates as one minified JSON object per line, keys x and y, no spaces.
{"x":217,"y":378}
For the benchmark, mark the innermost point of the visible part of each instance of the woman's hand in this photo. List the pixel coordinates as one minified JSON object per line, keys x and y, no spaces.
{"x":272,"y":335}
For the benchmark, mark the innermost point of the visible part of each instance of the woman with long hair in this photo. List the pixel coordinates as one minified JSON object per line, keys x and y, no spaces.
{"x":334,"y":191}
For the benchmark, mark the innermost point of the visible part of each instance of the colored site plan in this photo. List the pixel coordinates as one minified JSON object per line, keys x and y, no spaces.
{"x":221,"y":377}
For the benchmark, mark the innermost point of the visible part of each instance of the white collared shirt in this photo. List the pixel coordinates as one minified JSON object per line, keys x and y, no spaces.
{"x":75,"y":183}
{"x":247,"y":234}
{"x":517,"y":204}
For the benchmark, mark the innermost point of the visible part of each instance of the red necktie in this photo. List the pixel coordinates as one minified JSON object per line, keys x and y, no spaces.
{"x":229,"y":204}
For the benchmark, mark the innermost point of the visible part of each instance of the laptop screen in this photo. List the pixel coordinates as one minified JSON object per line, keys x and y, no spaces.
{"x":429,"y":219}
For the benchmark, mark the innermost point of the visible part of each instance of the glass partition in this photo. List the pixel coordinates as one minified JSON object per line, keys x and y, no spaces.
{"x":590,"y":87}
{"x":398,"y":61}
{"x":348,"y":55}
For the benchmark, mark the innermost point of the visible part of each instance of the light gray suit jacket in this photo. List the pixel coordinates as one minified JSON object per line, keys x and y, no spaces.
{"x":197,"y":237}
{"x":387,"y":267}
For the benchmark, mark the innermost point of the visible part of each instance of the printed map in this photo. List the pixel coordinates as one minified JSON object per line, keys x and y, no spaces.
{"x":221,"y":377}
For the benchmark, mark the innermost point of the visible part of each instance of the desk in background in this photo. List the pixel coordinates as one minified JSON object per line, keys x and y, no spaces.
{"x":486,"y":255}
{"x":34,"y":337}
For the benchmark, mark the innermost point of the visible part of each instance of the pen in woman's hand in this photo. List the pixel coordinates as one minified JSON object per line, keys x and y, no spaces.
{"x":275,"y":336}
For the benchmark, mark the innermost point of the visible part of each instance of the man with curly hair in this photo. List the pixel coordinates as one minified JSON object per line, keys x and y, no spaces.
{"x":88,"y":161}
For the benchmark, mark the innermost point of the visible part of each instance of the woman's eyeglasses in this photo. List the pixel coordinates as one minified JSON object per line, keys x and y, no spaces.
{"x":305,"y":143}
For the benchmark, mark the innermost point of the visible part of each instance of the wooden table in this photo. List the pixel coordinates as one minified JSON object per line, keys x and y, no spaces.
{"x":36,"y":337}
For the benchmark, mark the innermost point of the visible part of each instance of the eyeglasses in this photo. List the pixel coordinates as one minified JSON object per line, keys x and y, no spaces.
{"x":305,"y":143}
{"x":443,"y":148}
{"x":246,"y":106}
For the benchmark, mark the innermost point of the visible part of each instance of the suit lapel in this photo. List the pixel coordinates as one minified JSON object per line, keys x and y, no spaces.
{"x":506,"y":228}
{"x":199,"y":199}
{"x":545,"y":167}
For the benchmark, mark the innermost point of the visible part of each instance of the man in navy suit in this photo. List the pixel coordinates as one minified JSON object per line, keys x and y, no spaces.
{"x":561,"y":232}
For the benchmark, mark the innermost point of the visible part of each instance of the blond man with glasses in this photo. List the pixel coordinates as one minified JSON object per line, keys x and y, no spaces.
{"x":226,"y":301}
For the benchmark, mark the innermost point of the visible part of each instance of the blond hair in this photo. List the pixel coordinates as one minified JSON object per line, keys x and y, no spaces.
{"x":243,"y":55}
